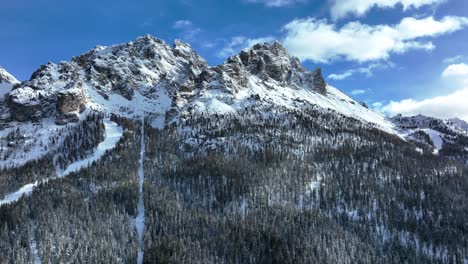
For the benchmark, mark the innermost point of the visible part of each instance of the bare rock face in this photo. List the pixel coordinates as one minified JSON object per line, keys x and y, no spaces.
{"x":167,"y":79}
{"x":320,"y":85}
{"x":271,"y":62}
{"x":24,"y":111}
{"x":145,"y":66}
{"x":70,"y":103}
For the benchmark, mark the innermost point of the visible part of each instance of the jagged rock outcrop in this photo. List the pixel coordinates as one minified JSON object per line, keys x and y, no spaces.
{"x":24,"y":110}
{"x":70,"y":103}
{"x":272,"y":62}
{"x":171,"y":83}
{"x":147,"y":66}
{"x":319,"y":83}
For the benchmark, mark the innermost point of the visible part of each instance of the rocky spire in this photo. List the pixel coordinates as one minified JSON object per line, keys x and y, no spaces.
{"x":320,"y":85}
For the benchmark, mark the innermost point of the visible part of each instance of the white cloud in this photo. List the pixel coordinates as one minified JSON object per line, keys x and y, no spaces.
{"x":358,"y":92}
{"x":188,"y":30}
{"x":239,"y":43}
{"x":451,"y":105}
{"x":456,"y":70}
{"x":446,"y":106}
{"x":182,"y":24}
{"x":320,"y":41}
{"x":367,"y":71}
{"x":342,"y":8}
{"x":277,"y":3}
{"x":453,"y":59}
{"x":341,"y":76}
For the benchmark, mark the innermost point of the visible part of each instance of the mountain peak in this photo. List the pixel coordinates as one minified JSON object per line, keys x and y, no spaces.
{"x":6,"y":77}
{"x":171,"y":82}
{"x":272,"y":61}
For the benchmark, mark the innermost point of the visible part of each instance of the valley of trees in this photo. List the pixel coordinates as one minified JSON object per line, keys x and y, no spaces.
{"x":294,"y":187}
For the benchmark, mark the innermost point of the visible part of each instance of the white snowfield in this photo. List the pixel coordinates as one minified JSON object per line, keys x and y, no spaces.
{"x":113,"y":133}
{"x":34,"y":142}
{"x":4,"y":89}
{"x":435,"y":138}
{"x":275,"y":94}
{"x":158,"y":105}
{"x":7,"y":77}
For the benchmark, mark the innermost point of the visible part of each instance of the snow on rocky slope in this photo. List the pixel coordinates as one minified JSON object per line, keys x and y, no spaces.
{"x":450,"y":134}
{"x":170,"y":82}
{"x":6,"y":82}
{"x":113,"y":133}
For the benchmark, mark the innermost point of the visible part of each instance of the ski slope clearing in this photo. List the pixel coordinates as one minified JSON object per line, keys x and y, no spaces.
{"x":140,"y":219}
{"x":113,"y":134}
{"x":435,"y":138}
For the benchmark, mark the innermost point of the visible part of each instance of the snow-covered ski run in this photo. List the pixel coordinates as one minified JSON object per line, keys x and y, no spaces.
{"x":140,"y":219}
{"x":113,"y":133}
{"x":33,"y":244}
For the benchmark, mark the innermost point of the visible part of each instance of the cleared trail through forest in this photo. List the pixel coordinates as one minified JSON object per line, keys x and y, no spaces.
{"x":33,"y":244}
{"x":140,"y":219}
{"x":113,"y":133}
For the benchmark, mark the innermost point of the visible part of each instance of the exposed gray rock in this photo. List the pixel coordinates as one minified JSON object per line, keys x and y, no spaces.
{"x":151,"y":69}
{"x":24,"y":110}
{"x":320,"y":85}
{"x":145,"y":65}
{"x":71,"y":100}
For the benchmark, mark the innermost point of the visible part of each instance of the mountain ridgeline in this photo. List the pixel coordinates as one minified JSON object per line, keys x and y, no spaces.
{"x":256,"y":160}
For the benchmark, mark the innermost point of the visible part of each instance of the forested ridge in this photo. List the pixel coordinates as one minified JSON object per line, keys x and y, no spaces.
{"x":305,"y":186}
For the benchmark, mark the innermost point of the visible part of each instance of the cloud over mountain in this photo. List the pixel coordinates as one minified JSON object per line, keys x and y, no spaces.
{"x":322,"y":41}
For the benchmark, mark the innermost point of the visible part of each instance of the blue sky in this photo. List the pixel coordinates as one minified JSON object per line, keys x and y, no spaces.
{"x":408,"y":56}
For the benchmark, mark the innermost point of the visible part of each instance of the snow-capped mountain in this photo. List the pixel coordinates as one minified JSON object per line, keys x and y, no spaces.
{"x":170,"y":82}
{"x":257,"y":151}
{"x":462,"y":124}
{"x":6,"y":82}
{"x":448,"y":135}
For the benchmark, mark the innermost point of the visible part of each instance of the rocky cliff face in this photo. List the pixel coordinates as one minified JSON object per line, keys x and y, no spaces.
{"x":144,"y":66}
{"x":174,"y":82}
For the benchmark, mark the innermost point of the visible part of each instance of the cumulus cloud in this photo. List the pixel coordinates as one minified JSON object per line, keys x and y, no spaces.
{"x":456,"y":70}
{"x":446,"y":106}
{"x":321,"y":41}
{"x":367,"y":71}
{"x":187,"y":29}
{"x":277,"y":3}
{"x":342,"y":8}
{"x":236,"y":44}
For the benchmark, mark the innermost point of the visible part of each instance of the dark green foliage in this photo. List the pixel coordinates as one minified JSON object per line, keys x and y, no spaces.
{"x":296,"y":187}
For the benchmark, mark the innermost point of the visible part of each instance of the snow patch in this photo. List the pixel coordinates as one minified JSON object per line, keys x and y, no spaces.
{"x":4,"y":89}
{"x":420,"y":150}
{"x":435,"y":138}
